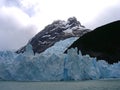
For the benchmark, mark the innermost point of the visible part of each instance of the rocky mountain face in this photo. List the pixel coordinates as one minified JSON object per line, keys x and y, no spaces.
{"x":103,"y":43}
{"x":58,"y":30}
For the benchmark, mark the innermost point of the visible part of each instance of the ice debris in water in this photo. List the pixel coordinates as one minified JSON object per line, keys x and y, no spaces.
{"x":43,"y":67}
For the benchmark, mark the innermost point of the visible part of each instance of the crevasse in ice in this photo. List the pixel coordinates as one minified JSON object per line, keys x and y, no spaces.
{"x":54,"y":67}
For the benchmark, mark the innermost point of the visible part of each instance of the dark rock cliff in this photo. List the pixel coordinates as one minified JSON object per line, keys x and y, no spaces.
{"x":103,"y":43}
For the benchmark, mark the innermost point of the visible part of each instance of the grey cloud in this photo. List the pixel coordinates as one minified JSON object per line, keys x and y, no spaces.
{"x":10,"y":3}
{"x":30,"y":11}
{"x":13,"y":33}
{"x":11,"y":40}
{"x":12,"y":37}
{"x":7,"y":23}
{"x":107,"y":16}
{"x":17,"y":3}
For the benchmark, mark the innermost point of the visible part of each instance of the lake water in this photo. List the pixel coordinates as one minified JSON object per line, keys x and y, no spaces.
{"x":72,"y":85}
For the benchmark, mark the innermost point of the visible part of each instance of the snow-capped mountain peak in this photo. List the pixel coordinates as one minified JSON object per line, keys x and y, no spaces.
{"x":58,"y":30}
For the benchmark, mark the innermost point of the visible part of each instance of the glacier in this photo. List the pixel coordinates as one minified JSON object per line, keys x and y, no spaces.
{"x":60,"y":47}
{"x":54,"y":65}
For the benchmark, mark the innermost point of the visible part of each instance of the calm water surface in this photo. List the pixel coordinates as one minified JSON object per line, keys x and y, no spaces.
{"x":74,"y":85}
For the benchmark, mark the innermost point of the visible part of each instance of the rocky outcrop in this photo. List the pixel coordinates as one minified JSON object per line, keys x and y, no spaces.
{"x":58,"y":30}
{"x":103,"y":43}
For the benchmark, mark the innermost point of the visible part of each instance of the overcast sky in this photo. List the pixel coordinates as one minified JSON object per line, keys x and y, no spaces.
{"x":20,"y":20}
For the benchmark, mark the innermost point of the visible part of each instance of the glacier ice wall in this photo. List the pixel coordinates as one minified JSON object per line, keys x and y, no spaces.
{"x":60,"y":47}
{"x":43,"y":67}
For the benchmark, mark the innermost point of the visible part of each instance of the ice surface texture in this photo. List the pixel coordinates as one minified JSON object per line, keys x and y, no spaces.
{"x":54,"y":67}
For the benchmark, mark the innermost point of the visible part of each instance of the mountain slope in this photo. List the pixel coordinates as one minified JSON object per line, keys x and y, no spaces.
{"x":103,"y":42}
{"x":58,"y":30}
